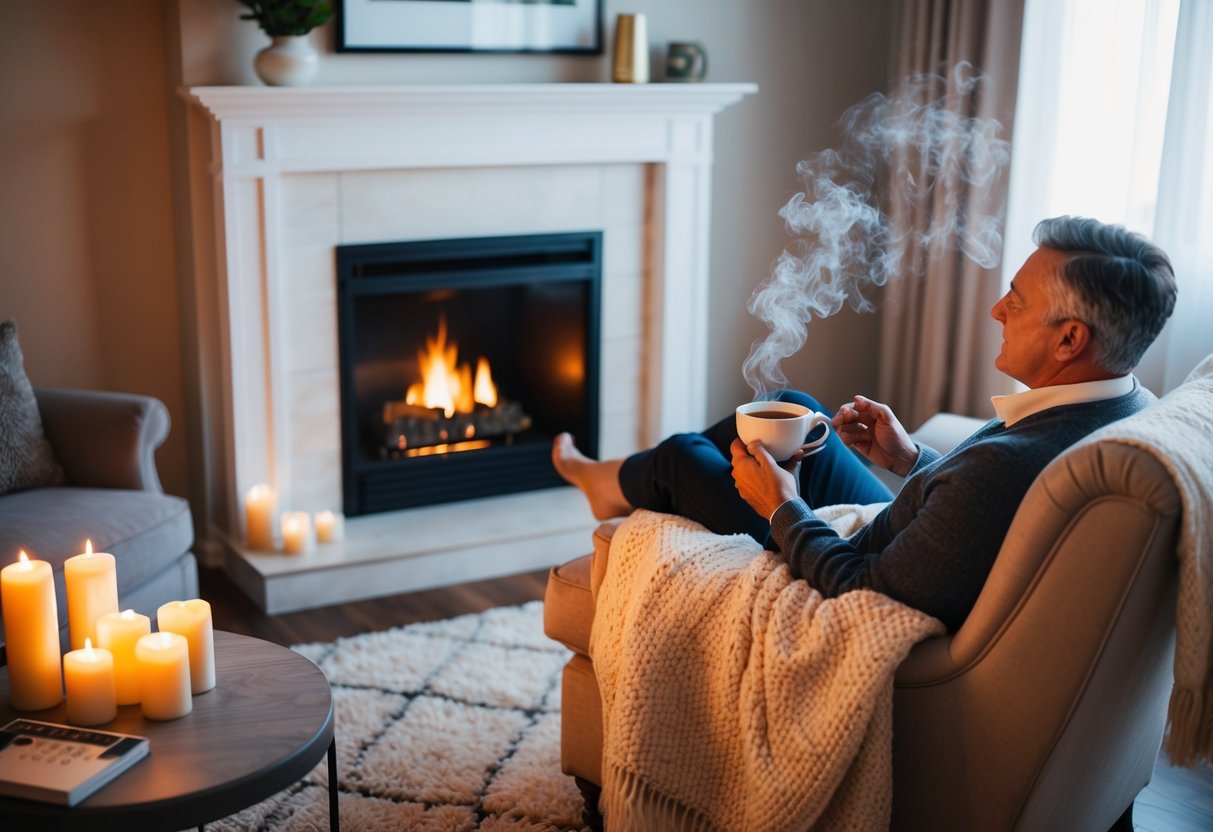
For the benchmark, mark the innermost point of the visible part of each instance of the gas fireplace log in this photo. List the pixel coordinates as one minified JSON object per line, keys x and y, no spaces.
{"x":411,"y":426}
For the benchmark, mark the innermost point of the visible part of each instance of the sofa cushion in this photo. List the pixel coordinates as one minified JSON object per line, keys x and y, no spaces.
{"x":26,"y":460}
{"x":143,"y":530}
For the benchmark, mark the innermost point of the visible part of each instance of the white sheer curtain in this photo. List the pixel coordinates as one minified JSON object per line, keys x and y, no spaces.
{"x":1183,"y":225}
{"x":1115,"y":121}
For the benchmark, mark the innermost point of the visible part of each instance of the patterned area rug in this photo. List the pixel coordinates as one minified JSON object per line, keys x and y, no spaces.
{"x":446,"y":726}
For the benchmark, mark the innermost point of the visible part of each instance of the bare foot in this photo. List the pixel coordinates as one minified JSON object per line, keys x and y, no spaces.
{"x":599,"y":481}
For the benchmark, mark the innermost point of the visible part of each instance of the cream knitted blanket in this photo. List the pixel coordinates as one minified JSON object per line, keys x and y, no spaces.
{"x":736,"y":698}
{"x":1177,"y":431}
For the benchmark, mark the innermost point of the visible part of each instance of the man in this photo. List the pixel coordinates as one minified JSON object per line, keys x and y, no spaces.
{"x":1078,"y":316}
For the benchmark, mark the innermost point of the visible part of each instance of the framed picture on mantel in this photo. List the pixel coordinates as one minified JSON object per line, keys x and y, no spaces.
{"x":568,"y":26}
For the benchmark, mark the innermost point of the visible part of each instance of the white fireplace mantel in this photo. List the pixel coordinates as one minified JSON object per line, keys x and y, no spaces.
{"x":245,"y":141}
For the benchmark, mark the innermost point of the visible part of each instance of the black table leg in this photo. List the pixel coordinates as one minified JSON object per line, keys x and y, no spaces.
{"x":334,"y":808}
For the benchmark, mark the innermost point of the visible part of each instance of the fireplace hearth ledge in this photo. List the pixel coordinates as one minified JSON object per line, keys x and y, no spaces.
{"x":422,"y":548}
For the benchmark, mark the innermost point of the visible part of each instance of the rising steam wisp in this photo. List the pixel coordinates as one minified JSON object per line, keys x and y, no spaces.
{"x":925,"y":145}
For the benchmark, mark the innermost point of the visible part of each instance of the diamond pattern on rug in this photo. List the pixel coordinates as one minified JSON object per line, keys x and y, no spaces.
{"x":362,"y":661}
{"x":522,"y":788}
{"x":462,"y":745}
{"x":446,"y":726}
{"x":361,"y":715}
{"x":505,"y":676}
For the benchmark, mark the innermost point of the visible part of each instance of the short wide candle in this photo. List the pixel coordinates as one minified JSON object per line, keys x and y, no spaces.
{"x":328,"y":527}
{"x":118,"y":632}
{"x":92,"y":591}
{"x":259,"y":506}
{"x":164,"y":676}
{"x":296,"y":532}
{"x":31,"y":634}
{"x":192,"y":619}
{"x":89,"y":677}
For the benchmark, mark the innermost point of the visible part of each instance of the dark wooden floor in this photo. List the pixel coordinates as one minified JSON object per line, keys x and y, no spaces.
{"x":1177,"y":800}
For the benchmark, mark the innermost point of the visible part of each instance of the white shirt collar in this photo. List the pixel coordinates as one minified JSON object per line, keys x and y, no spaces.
{"x":1011,"y":409}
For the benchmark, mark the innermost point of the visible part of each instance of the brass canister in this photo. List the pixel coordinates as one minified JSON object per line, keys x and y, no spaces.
{"x":631,"y":65}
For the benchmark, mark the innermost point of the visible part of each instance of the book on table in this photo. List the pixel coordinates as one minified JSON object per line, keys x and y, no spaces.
{"x":62,"y":764}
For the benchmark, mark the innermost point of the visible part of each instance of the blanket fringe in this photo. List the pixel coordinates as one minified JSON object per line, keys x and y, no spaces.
{"x":1190,"y":738}
{"x":635,"y":806}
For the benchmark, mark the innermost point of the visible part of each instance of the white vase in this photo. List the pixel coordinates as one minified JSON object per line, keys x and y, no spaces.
{"x":290,"y":61}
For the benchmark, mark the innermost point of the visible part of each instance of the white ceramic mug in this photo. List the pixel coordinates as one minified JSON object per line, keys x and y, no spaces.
{"x":781,"y":427}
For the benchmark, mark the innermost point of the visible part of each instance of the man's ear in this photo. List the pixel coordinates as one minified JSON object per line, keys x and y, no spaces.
{"x":1074,"y":342}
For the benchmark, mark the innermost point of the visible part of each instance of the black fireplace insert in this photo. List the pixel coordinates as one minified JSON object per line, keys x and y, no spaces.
{"x":460,"y":360}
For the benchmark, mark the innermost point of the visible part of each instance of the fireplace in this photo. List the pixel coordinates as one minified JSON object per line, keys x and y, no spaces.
{"x":279,"y":178}
{"x":460,"y":360}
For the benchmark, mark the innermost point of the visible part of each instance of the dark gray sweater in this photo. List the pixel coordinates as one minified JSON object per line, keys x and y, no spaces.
{"x":934,"y":545}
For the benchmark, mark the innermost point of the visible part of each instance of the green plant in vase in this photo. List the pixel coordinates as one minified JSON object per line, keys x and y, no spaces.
{"x":290,"y":59}
{"x":287,"y":17}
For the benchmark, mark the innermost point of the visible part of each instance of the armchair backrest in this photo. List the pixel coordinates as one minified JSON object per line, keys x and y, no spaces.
{"x":1046,"y":708}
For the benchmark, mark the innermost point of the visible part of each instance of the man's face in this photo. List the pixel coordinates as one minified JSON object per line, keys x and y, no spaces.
{"x":1028,"y":342}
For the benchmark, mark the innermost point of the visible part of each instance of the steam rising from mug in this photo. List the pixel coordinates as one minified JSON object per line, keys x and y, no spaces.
{"x":846,"y":246}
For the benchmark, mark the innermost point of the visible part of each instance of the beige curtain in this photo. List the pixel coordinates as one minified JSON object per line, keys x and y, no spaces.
{"x":938,"y":341}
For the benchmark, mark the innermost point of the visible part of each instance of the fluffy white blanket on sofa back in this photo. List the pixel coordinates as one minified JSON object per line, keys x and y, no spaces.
{"x":736,"y":698}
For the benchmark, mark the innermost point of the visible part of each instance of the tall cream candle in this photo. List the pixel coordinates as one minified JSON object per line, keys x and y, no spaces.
{"x":118,"y":632}
{"x":31,"y":634}
{"x":192,"y":619}
{"x":259,"y":505}
{"x":92,"y":591}
{"x":88,"y":675}
{"x":164,"y":676}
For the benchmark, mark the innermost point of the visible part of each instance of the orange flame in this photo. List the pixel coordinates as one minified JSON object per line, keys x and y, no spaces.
{"x":445,"y":383}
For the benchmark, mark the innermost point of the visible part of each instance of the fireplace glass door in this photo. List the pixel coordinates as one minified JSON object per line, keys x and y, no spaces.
{"x":460,"y":361}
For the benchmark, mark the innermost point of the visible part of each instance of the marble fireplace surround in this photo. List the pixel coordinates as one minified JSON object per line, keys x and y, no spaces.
{"x":279,"y":176}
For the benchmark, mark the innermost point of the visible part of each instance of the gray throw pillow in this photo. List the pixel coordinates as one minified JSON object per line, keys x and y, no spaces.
{"x":26,"y":460}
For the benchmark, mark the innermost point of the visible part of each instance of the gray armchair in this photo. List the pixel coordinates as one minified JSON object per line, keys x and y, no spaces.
{"x":106,"y":443}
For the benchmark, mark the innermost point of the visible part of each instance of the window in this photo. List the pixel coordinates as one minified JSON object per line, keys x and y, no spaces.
{"x":1114,"y":120}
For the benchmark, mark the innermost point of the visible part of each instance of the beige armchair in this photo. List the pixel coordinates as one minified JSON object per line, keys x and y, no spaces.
{"x":1046,"y":709}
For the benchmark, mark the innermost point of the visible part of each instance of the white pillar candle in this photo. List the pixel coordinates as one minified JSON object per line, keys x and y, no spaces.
{"x":296,"y":532}
{"x":328,"y":527}
{"x":31,"y":634}
{"x":88,"y":675}
{"x":117,"y":632}
{"x":164,"y":676}
{"x":192,"y":619}
{"x":259,"y":505}
{"x":92,"y":591}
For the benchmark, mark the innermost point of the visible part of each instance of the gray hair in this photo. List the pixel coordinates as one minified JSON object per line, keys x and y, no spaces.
{"x":1115,"y":281}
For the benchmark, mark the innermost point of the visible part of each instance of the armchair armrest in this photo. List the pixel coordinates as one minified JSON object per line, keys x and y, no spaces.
{"x":104,"y":439}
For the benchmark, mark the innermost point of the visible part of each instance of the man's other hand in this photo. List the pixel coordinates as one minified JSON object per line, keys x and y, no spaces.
{"x":760,"y":481}
{"x":871,"y":428}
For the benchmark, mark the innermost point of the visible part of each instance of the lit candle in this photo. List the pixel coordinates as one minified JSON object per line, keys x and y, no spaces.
{"x":88,"y":675}
{"x":117,"y":632}
{"x":192,"y":619}
{"x":328,"y":527}
{"x":259,"y":504}
{"x":31,"y":634}
{"x":92,"y":591}
{"x":296,"y":532}
{"x":164,"y":676}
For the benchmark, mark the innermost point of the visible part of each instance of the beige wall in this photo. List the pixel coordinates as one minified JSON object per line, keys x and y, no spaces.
{"x":86,"y":232}
{"x":88,"y":126}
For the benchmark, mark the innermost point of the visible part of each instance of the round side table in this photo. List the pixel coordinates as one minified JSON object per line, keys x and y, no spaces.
{"x":265,"y":724}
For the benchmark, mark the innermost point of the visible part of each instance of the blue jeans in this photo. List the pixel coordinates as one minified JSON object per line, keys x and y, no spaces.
{"x":691,"y":474}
